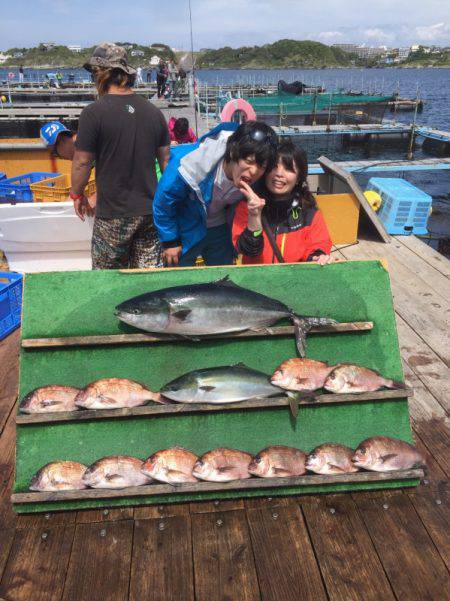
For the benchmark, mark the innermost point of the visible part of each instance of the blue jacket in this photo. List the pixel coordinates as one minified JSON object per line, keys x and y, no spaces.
{"x":185,"y":190}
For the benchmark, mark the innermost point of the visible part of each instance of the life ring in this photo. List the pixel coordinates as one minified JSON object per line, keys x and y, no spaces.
{"x":11,"y":75}
{"x":238,"y":110}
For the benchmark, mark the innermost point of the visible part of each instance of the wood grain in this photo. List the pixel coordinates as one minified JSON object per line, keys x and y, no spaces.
{"x":157,"y":545}
{"x":287,"y":568}
{"x":223,"y":558}
{"x":99,"y":567}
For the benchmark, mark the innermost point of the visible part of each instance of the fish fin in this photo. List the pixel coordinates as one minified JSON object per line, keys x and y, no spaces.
{"x":396,"y":384}
{"x":279,"y":471}
{"x":182,"y":314}
{"x":385,"y":458}
{"x":302,"y":394}
{"x":173,"y":472}
{"x":335,"y":467}
{"x":225,"y":281}
{"x":207,"y":388}
{"x":50,"y":403}
{"x":107,"y":400}
{"x":113,"y":477}
{"x":240,"y":364}
{"x":225,"y":469}
{"x":302,"y":325}
{"x":190,"y":338}
{"x":293,"y":405}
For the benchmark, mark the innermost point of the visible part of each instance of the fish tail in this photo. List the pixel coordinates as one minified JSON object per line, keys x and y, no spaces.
{"x":397,"y":385}
{"x":303,"y":324}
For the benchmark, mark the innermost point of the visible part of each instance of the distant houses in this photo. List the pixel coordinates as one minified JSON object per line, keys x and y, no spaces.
{"x":74,"y":48}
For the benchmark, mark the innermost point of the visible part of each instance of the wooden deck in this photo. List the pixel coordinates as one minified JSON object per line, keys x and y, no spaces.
{"x":371,"y":546}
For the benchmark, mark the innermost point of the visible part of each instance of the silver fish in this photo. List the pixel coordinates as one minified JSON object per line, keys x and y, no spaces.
{"x":216,"y":385}
{"x":384,"y":454}
{"x":214,"y":308}
{"x":59,"y":475}
{"x":49,"y":399}
{"x":116,"y":471}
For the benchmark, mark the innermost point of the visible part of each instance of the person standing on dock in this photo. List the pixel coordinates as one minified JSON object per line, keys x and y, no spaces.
{"x":123,"y":133}
{"x":195,"y":199}
{"x":21,"y":74}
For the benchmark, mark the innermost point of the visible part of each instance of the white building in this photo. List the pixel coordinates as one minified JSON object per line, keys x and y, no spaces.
{"x":137,"y":53}
{"x":403,"y":53}
{"x":4,"y":57}
{"x":154,"y":61}
{"x":74,"y":48}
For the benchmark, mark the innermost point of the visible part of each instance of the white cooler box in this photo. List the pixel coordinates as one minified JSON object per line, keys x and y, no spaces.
{"x":43,"y":236}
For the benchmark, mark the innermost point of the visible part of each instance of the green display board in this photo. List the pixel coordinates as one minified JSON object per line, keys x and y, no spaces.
{"x":82,"y":303}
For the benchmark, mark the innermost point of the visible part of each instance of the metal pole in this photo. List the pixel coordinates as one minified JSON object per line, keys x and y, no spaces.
{"x":409,"y":156}
{"x":193,"y":65}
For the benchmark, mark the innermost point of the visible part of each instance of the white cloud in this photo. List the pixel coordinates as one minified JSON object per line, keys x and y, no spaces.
{"x":377,"y":34}
{"x":329,"y":35}
{"x":431,"y":33}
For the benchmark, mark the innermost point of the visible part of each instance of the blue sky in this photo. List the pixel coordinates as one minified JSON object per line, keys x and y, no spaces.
{"x":224,"y":22}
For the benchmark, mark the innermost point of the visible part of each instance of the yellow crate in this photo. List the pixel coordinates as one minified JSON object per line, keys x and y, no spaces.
{"x":56,"y":189}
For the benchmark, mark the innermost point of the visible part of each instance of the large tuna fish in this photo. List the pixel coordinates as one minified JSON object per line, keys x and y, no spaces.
{"x":220,"y":385}
{"x":213,"y":308}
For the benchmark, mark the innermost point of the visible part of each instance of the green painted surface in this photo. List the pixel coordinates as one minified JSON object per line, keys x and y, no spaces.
{"x":82,"y":303}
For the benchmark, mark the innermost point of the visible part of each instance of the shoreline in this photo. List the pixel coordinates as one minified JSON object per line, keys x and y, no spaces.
{"x":356,"y":68}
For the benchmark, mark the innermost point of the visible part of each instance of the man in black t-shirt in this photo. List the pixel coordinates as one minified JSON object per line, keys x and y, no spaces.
{"x":124,"y":133}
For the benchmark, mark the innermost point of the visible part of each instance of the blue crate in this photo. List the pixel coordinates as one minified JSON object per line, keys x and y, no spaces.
{"x":405,"y":209}
{"x":17,"y":189}
{"x":10,"y":302}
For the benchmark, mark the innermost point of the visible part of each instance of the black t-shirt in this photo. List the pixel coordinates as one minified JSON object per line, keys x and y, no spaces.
{"x":124,"y":132}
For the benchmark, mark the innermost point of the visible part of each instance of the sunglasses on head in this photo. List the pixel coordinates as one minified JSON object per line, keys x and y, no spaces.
{"x":259,"y":135}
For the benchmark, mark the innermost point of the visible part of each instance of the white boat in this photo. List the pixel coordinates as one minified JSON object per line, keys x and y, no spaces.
{"x":43,"y":236}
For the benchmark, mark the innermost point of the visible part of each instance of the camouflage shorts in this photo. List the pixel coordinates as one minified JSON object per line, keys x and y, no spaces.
{"x":125,"y":242}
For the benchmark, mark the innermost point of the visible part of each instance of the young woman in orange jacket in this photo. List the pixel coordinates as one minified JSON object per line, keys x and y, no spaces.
{"x":280,"y":221}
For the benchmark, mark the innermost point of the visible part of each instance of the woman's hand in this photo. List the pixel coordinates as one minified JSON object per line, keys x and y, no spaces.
{"x":171,"y":256}
{"x":255,"y":204}
{"x":324,"y":259}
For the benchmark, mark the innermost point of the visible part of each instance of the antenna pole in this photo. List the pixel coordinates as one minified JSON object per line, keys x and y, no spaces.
{"x":193,"y":66}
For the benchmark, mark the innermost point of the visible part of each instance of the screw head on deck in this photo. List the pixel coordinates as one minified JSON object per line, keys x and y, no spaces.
{"x":332,"y":510}
{"x":44,"y":535}
{"x":161,"y":526}
{"x":216,"y":502}
{"x":47,"y":516}
{"x":385,"y":506}
{"x":219,"y":522}
{"x":438,"y":502}
{"x":105,"y":511}
{"x":274,"y":515}
{"x":103,"y":533}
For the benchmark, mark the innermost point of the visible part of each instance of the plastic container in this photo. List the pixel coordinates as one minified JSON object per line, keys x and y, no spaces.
{"x":405,"y":208}
{"x":10,"y":302}
{"x":56,"y":189}
{"x":17,"y":189}
{"x":2,"y":175}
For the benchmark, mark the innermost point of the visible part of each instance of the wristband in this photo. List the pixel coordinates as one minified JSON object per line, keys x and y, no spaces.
{"x":75,"y":196}
{"x":257,"y":233}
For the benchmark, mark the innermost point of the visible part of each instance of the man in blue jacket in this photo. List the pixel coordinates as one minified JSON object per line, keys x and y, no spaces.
{"x":193,"y":204}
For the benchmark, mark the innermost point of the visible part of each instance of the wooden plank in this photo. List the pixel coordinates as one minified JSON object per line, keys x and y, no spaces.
{"x":162,"y":560}
{"x":353,"y":326}
{"x":99,"y":566}
{"x":89,"y":516}
{"x":161,"y":511}
{"x":333,"y":169}
{"x":8,"y":517}
{"x":223,"y":559}
{"x":198,"y":487}
{"x":269,"y":502}
{"x":6,"y":540}
{"x":183,"y":408}
{"x":438,"y":282}
{"x":427,"y":253}
{"x":37,"y":564}
{"x":433,"y":509}
{"x":347,"y":558}
{"x":217,"y":505}
{"x":9,"y":374}
{"x":284,"y":557}
{"x":409,"y":557}
{"x":46,"y":520}
{"x":426,"y":315}
{"x":424,"y":362}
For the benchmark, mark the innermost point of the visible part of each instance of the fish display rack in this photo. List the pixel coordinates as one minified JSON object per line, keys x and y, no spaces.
{"x":82,"y":305}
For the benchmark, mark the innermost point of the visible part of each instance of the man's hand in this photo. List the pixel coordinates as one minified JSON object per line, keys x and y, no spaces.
{"x":255,"y":204}
{"x":171,"y":256}
{"x":324,"y":259}
{"x":83,"y":208}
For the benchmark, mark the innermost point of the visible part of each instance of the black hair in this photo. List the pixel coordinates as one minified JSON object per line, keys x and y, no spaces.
{"x":181,"y":127}
{"x":252,"y":138}
{"x":104,"y":78}
{"x":292,"y":156}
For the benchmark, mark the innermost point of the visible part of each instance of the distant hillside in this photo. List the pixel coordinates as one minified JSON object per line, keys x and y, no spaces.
{"x":281,"y":54}
{"x":424,"y":59}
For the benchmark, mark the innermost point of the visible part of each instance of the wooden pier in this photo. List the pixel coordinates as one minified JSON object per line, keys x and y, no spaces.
{"x":368,"y":545}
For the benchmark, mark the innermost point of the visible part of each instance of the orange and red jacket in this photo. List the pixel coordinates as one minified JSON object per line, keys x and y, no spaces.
{"x":297,"y":240}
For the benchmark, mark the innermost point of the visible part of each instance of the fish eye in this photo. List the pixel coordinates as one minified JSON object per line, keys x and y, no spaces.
{"x":200,"y":463}
{"x":332,"y":376}
{"x":362,"y":450}
{"x":135,"y":311}
{"x":257,"y":459}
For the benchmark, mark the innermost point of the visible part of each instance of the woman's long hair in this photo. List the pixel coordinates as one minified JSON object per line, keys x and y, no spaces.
{"x":104,"y":78}
{"x":292,"y":156}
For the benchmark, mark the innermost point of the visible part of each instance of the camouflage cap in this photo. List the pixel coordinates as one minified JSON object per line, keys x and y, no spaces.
{"x":110,"y":56}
